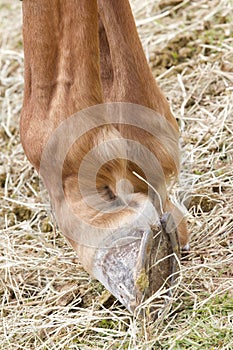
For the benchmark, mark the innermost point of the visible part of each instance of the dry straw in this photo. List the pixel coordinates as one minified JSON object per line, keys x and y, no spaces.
{"x":47,"y":300}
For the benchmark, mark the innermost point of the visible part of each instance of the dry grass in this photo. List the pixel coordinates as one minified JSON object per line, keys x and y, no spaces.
{"x":47,"y":299}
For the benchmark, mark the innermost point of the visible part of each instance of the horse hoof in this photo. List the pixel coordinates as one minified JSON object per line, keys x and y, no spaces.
{"x":135,"y":265}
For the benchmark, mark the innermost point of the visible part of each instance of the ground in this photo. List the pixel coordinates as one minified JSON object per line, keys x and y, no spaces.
{"x":47,"y":300}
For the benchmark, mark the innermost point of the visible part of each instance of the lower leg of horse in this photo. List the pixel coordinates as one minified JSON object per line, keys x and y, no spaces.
{"x":61,"y":67}
{"x":132,"y":80}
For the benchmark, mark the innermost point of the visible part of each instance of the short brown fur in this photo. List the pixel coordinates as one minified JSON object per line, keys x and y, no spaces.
{"x":73,"y":61}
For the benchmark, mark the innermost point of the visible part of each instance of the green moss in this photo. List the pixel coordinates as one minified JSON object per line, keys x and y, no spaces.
{"x":46,"y":226}
{"x":142,"y":281}
{"x":107,"y":323}
{"x":175,"y":55}
{"x":22,"y":213}
{"x":198,"y":172}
